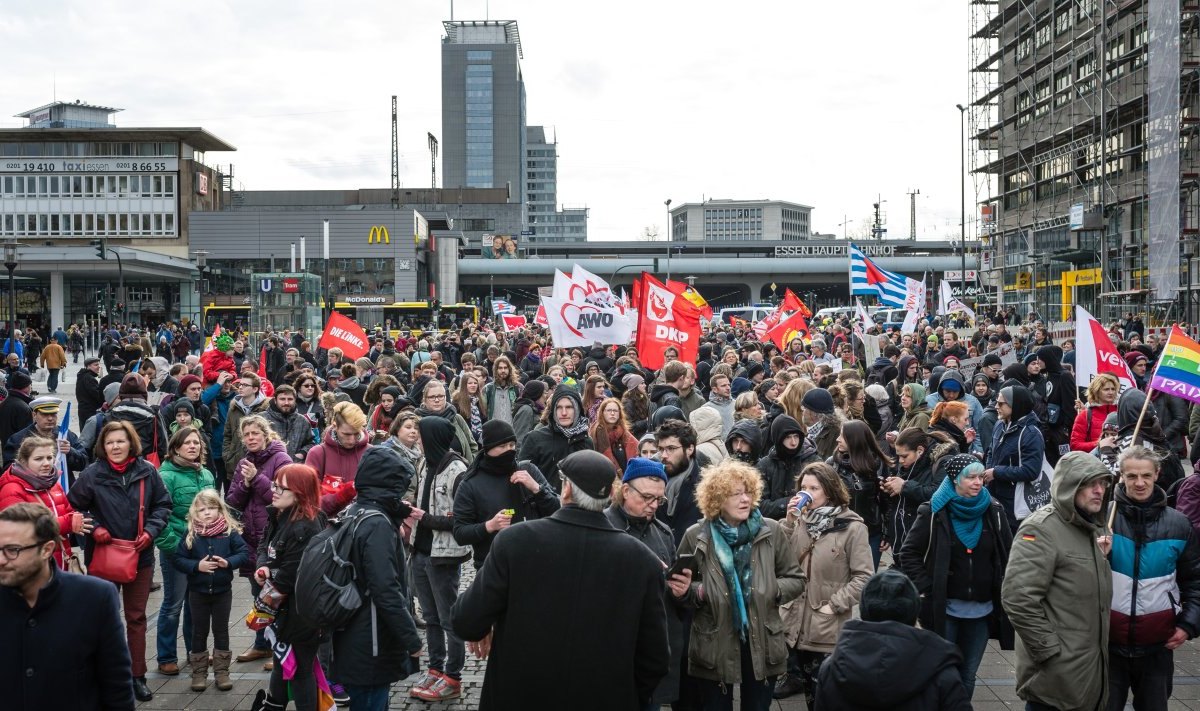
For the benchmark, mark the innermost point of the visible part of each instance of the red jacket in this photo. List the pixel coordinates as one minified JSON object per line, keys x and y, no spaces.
{"x":1089,"y":424}
{"x":15,"y":490}
{"x":330,"y":459}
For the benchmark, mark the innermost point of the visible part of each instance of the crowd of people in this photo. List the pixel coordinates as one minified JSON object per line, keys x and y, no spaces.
{"x":779,"y":522}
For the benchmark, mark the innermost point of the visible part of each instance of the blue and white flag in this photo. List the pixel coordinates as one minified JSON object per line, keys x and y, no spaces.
{"x":866,"y":278}
{"x":499,"y":306}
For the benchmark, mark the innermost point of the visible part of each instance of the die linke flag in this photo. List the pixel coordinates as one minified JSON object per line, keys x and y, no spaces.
{"x":342,"y":332}
{"x":667,"y":320}
{"x":1178,"y":371}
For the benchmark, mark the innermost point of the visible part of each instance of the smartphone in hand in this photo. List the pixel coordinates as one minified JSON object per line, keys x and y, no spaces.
{"x":684,"y":562}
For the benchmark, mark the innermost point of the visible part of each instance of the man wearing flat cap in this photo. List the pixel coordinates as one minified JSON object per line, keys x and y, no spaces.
{"x":569,"y":578}
{"x":46,"y":411}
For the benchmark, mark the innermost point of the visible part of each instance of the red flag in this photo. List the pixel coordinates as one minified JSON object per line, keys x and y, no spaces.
{"x":512,"y":322}
{"x":342,"y":332}
{"x":681,"y":289}
{"x":791,"y":302}
{"x":265,"y":386}
{"x":789,"y":328}
{"x":540,"y":317}
{"x":668,"y":320}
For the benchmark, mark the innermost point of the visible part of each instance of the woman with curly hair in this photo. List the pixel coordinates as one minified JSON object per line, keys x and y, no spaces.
{"x":747,"y":569}
{"x":637,"y":406}
{"x":611,"y":434}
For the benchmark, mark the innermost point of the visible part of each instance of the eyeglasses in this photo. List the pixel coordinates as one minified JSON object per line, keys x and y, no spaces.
{"x":279,"y":488}
{"x":649,"y":498}
{"x":435,"y":397}
{"x":671,"y":448}
{"x":245,"y":385}
{"x":14,"y":552}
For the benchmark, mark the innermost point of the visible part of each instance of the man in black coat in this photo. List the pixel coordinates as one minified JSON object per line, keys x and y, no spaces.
{"x":49,"y":660}
{"x":87,"y":389}
{"x":565,"y":431}
{"x":551,"y":585}
{"x":497,"y":483}
{"x":115,"y":374}
{"x":15,"y":414}
{"x":921,"y":669}
{"x":375,"y":647}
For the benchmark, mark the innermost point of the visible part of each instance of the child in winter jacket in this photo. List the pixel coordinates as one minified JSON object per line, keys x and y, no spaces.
{"x":212,"y":550}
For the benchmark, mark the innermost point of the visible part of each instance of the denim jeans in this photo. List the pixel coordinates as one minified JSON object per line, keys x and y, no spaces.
{"x":971,"y":637}
{"x":436,"y":586}
{"x":52,"y":380}
{"x":369,"y":698}
{"x":174,"y":598}
{"x":1149,"y":677}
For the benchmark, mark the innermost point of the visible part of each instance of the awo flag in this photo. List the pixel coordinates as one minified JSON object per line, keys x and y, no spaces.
{"x":342,"y":332}
{"x":582,"y":286}
{"x":512,"y":322}
{"x":575,"y":325}
{"x":666,"y":320}
{"x":1095,"y":353}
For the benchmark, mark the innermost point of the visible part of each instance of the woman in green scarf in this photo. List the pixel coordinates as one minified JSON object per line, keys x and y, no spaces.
{"x":912,"y":404}
{"x":747,"y":569}
{"x":956,"y":553}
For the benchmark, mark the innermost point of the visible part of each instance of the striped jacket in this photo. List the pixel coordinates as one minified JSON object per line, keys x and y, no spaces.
{"x":1156,"y":575}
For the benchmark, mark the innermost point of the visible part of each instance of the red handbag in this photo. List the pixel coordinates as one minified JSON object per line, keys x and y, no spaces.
{"x":153,"y":457}
{"x":117,"y":560}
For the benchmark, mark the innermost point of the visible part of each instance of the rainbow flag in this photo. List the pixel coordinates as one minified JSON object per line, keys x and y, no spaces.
{"x":1178,"y":370}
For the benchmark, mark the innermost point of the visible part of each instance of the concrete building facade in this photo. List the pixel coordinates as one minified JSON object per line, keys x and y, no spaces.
{"x":722,"y":220}
{"x":547,"y":222}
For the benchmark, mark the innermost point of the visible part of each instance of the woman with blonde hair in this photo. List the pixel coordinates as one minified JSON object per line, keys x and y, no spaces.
{"x":1088,"y":428}
{"x":469,"y":401}
{"x":792,"y":399}
{"x":747,"y":569}
{"x":336,"y":458}
{"x":747,"y":406}
{"x":611,"y":434}
{"x":849,"y":397}
{"x":831,"y":544}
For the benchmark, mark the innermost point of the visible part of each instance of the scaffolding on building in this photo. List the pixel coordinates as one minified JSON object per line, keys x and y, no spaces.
{"x":1058,"y":111}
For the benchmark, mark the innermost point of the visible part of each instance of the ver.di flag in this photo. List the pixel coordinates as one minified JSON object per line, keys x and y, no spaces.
{"x":1095,"y":353}
{"x":666,"y":320}
{"x":512,"y":322}
{"x":342,"y":332}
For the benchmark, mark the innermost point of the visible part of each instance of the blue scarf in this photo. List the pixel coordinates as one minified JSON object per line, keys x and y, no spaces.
{"x":733,"y":553}
{"x":966,"y":513}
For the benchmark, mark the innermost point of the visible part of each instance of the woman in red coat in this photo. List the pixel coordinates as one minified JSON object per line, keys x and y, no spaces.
{"x":1102,"y":395}
{"x":611,"y":435}
{"x":33,"y":478}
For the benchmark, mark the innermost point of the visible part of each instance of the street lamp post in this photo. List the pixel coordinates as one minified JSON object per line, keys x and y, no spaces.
{"x":202,"y":267}
{"x":962,"y":182}
{"x":668,"y":204}
{"x":10,"y":263}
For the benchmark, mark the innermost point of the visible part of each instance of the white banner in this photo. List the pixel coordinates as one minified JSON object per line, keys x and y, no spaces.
{"x":576,"y":325}
{"x":1096,"y":353}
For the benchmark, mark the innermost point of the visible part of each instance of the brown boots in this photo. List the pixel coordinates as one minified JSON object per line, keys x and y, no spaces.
{"x":220,"y":665}
{"x":199,"y":663}
{"x":221,"y":660}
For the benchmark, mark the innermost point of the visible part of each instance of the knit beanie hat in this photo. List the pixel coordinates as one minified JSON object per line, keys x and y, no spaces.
{"x":496,"y":433}
{"x":133,"y":386}
{"x":639,"y":467}
{"x":739,"y":386}
{"x":819,"y":401}
{"x":534,"y":390}
{"x":187,"y":380}
{"x":632,"y":380}
{"x":890,"y":596}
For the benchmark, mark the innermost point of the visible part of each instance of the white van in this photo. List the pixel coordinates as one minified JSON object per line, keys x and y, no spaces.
{"x":833,"y":313}
{"x":749,"y":314}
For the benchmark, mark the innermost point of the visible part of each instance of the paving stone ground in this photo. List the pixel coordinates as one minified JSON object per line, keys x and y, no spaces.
{"x":996,"y":687}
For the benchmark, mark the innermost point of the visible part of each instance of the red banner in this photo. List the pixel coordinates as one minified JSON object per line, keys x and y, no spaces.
{"x":540,"y":318}
{"x":512,"y":322}
{"x":792,"y":327}
{"x":342,"y":332}
{"x":668,"y":320}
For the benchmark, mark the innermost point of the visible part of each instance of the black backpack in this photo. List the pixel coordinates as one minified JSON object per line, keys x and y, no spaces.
{"x":327,"y":593}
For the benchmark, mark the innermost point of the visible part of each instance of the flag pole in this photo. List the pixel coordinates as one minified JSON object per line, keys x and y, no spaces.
{"x":1138,"y":426}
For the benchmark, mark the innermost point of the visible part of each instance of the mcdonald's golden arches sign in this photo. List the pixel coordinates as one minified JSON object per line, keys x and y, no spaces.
{"x":379,"y":235}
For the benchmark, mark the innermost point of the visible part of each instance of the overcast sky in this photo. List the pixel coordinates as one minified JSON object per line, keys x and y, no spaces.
{"x":825,"y":104}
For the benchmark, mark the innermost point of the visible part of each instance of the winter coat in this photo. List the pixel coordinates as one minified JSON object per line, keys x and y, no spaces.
{"x":435,"y":496}
{"x":920,"y":482}
{"x":15,"y":490}
{"x":657,"y":536}
{"x":54,"y":357}
{"x":112,"y":501}
{"x":15,"y":414}
{"x":709,"y":441}
{"x":715,"y":650}
{"x":625,"y":624}
{"x":77,"y":458}
{"x":545,"y":446}
{"x":1155,"y":566}
{"x":918,"y":414}
{"x":681,"y":510}
{"x":490,"y":394}
{"x":374,"y":646}
{"x":88,"y":394}
{"x":52,"y":661}
{"x":1017,"y":453}
{"x":921,"y":669}
{"x":930,"y":556}
{"x":664,"y":395}
{"x":1057,"y":389}
{"x":282,"y":545}
{"x":1187,"y":500}
{"x":727,"y":412}
{"x":1057,"y":592}
{"x":480,"y":493}
{"x":182,"y":483}
{"x":836,"y":567}
{"x":622,"y":446}
{"x":230,"y":546}
{"x":253,"y":498}
{"x":461,"y":429}
{"x":144,"y":417}
{"x":691,"y":401}
{"x":232,"y":448}
{"x":1173,"y":417}
{"x":331,"y":459}
{"x":294,"y":429}
{"x":219,"y":403}
{"x":1129,"y":407}
{"x":780,"y":474}
{"x":863,"y":490}
{"x":525,"y":418}
{"x":1089,"y":425}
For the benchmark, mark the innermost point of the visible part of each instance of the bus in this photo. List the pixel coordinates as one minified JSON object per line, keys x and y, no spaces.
{"x":230,"y":318}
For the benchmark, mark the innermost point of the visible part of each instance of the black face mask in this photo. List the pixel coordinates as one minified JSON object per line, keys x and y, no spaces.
{"x":505,"y":462}
{"x":746,"y":457}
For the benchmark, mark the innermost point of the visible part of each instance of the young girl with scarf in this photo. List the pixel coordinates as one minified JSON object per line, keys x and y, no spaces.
{"x":956,"y":553}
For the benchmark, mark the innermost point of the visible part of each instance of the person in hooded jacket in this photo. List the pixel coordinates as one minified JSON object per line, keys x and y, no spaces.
{"x":564,"y":430}
{"x":914,"y":411}
{"x":952,"y":387}
{"x":920,"y":669}
{"x":983,"y":389}
{"x":744,"y":444}
{"x":1057,"y":389}
{"x":908,"y":371}
{"x":1017,"y":449}
{"x":956,"y":554}
{"x":527,"y":410}
{"x":352,"y":386}
{"x":338,"y":456}
{"x":708,"y":425}
{"x":780,"y":469}
{"x":374,"y":649}
{"x":1129,"y":407}
{"x":495,"y":483}
{"x":953,"y":419}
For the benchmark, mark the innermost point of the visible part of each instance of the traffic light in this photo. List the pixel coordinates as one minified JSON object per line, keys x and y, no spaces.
{"x":101,"y":248}
{"x":435,"y":304}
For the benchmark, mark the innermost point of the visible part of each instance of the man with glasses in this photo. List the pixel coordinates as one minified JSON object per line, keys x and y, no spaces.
{"x":249,"y":401}
{"x":676,"y":442}
{"x":48,"y":659}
